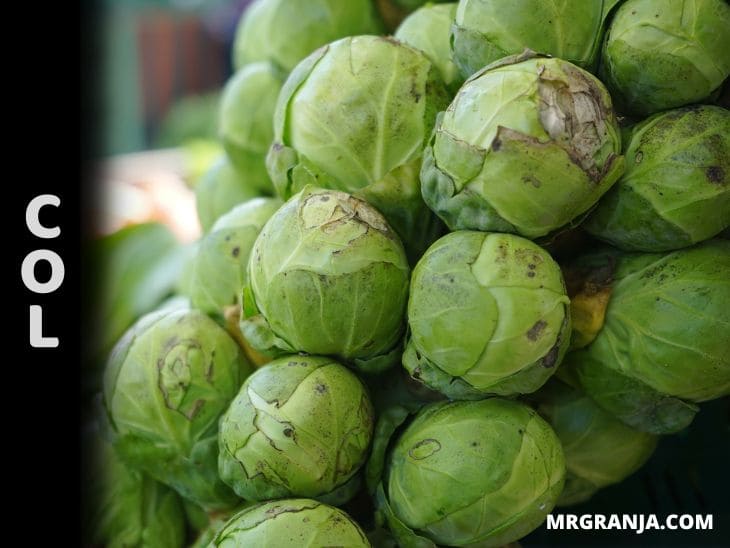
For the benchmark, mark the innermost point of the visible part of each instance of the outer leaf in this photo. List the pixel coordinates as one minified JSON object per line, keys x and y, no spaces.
{"x":128,"y":508}
{"x":301,"y":426}
{"x":663,"y":55}
{"x":528,"y":145}
{"x":473,"y":458}
{"x":599,"y":449}
{"x":676,"y":188}
{"x":219,"y":267}
{"x":503,"y":299}
{"x":291,"y":523}
{"x":487,"y":30}
{"x":165,"y":386}
{"x":138,"y":267}
{"x":327,"y":276}
{"x":429,"y":29}
{"x":220,"y":189}
{"x":245,"y":121}
{"x":285,"y":31}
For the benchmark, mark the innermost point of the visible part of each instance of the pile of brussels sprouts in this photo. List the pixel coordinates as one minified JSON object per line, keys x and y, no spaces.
{"x":458,"y":268}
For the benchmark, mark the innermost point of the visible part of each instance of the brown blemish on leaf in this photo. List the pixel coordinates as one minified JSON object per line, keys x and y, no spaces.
{"x":197,"y":406}
{"x":536,"y":329}
{"x":551,"y":357}
{"x":715,"y":174}
{"x":430,"y":446}
{"x":574,"y":114}
{"x":531,"y":180}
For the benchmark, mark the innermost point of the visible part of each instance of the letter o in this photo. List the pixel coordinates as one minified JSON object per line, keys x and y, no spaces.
{"x":686,"y":521}
{"x":27,"y":271}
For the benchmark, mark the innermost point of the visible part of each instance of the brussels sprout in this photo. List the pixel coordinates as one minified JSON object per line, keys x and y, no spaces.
{"x":285,"y":31}
{"x":428,"y":29}
{"x":662,"y":54}
{"x":354,"y":116}
{"x":327,"y":276}
{"x":599,"y":449}
{"x":219,"y":268}
{"x":221,"y":188}
{"x":245,"y":121}
{"x":128,"y":508}
{"x":301,"y":426}
{"x":487,"y":30}
{"x":488,"y":314}
{"x":291,"y":522}
{"x":528,"y":145}
{"x":659,"y":326}
{"x":166,"y":384}
{"x":675,"y":191}
{"x":465,"y":473}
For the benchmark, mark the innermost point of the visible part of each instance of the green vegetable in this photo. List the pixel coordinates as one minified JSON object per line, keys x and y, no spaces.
{"x":166,"y":384}
{"x":221,"y":188}
{"x":429,"y":29}
{"x":478,"y":473}
{"x":327,"y":276}
{"x":135,"y":269}
{"x":658,"y":343}
{"x":128,"y":508}
{"x":488,"y":314}
{"x":355,"y":116}
{"x":285,"y":31}
{"x":662,"y":54}
{"x":676,"y":188}
{"x":244,"y":121}
{"x":528,"y":145}
{"x":300,"y":426}
{"x":219,"y":268}
{"x":487,"y":30}
{"x":599,"y":449}
{"x":291,"y":523}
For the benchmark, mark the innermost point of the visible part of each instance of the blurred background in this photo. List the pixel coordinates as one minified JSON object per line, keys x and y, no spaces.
{"x":162,"y":64}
